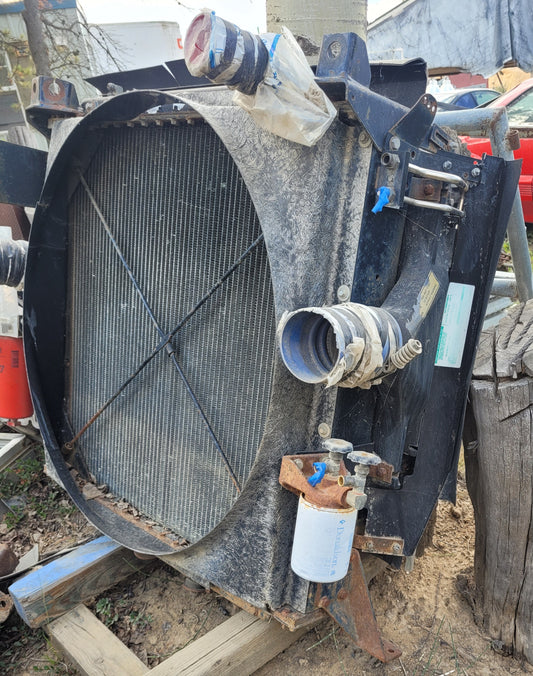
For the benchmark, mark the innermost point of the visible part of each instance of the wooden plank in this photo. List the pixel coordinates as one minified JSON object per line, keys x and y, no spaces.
{"x":50,"y":591}
{"x":12,"y":446}
{"x":240,"y":645}
{"x":91,"y":647}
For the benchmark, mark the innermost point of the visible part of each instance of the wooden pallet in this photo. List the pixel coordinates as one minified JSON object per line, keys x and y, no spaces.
{"x":240,"y":645}
{"x":53,"y":596}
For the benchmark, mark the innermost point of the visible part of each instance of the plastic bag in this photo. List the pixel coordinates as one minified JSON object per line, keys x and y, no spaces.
{"x":274,"y":82}
{"x":288,"y":102}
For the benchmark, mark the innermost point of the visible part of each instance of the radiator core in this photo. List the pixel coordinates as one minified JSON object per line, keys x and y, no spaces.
{"x":178,"y":209}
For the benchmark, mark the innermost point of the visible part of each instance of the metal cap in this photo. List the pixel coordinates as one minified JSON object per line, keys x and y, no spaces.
{"x":337,"y":446}
{"x":364,"y":458}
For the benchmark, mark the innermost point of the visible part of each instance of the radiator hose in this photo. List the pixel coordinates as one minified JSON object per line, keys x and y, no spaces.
{"x":349,"y":345}
{"x":12,"y":261}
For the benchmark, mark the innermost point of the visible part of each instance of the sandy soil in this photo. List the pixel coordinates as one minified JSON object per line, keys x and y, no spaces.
{"x":423,"y":612}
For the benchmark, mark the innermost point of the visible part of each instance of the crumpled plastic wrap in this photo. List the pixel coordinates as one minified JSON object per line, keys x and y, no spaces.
{"x":288,"y":102}
{"x":280,"y":93}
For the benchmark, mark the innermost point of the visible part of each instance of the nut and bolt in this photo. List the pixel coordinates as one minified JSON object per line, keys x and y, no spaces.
{"x":429,"y":189}
{"x":343,"y":594}
{"x":343,"y":293}
{"x":324,"y":430}
{"x":447,"y":165}
{"x":364,"y":139}
{"x":394,"y":143}
{"x":476,"y":171}
{"x":396,"y":548}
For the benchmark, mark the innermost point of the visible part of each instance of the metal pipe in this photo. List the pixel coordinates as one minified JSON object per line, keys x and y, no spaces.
{"x":443,"y":176}
{"x":494,"y":124}
{"x":437,"y":206}
{"x":505,"y":288}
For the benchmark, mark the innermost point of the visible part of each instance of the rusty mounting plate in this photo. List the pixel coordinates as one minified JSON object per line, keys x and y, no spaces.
{"x":375,"y":544}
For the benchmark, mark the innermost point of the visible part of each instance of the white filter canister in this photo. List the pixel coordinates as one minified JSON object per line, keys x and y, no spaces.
{"x":322,"y":543}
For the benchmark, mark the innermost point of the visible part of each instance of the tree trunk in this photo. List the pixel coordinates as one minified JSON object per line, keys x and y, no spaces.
{"x":36,"y":39}
{"x":310,"y":20}
{"x":499,"y":471}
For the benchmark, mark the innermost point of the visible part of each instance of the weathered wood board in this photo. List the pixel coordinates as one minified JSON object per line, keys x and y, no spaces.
{"x":91,"y":647}
{"x":57,"y":587}
{"x":499,"y":463}
{"x":240,"y":645}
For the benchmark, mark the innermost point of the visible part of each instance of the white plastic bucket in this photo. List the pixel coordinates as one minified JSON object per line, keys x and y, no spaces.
{"x":322,"y":543}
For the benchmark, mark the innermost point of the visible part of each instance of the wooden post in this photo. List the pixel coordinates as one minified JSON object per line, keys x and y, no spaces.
{"x":499,"y":471}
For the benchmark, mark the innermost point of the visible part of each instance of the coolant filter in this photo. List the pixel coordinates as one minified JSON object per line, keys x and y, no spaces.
{"x":15,"y":400}
{"x":322,"y":542}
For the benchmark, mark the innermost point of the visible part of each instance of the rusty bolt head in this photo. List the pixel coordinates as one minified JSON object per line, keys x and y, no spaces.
{"x":396,"y":548}
{"x":429,"y":189}
{"x":324,"y":602}
{"x":370,"y":546}
{"x":343,"y":594}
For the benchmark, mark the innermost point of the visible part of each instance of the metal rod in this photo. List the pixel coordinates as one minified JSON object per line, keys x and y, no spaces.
{"x":437,"y":175}
{"x":494,"y":124}
{"x":433,"y":205}
{"x":157,"y":326}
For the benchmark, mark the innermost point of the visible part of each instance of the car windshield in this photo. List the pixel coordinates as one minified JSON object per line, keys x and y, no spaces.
{"x":520,"y":111}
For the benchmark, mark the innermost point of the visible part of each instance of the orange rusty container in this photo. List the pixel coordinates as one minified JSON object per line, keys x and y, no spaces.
{"x":15,"y":399}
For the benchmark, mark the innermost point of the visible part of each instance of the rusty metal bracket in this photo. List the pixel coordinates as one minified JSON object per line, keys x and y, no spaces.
{"x":382,"y":472}
{"x":348,"y":603}
{"x":296,"y":469}
{"x":379,"y":545}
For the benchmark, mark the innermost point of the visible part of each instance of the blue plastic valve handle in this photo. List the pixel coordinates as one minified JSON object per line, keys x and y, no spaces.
{"x":320,"y":470}
{"x":383,"y":199}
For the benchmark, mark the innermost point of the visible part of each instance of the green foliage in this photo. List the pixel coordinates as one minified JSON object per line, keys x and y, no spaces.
{"x":19,"y":478}
{"x":41,"y":499}
{"x":139,"y":620}
{"x":106,"y":611}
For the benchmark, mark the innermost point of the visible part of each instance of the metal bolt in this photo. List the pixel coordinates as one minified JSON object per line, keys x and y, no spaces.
{"x":429,"y":189}
{"x":343,"y":293}
{"x":370,"y":546}
{"x":394,"y":143}
{"x":447,"y":165}
{"x":364,"y":139}
{"x":476,"y":171}
{"x":343,"y":594}
{"x":396,"y":548}
{"x":324,"y":430}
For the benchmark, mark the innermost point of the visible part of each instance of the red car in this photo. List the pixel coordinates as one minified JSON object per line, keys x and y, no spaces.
{"x":519,"y":104}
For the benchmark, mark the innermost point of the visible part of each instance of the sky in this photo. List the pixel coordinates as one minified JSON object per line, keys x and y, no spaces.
{"x":247,"y":14}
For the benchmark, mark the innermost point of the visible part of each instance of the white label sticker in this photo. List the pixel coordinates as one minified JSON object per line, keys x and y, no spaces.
{"x":454,"y":325}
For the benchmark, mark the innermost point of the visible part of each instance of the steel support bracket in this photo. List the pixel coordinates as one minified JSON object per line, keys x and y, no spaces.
{"x":348,"y":603}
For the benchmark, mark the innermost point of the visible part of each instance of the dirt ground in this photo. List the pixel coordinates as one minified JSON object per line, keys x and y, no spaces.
{"x":423,"y":612}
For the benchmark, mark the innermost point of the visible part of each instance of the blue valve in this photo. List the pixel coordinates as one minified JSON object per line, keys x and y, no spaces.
{"x":320,"y":470}
{"x":383,"y":199}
